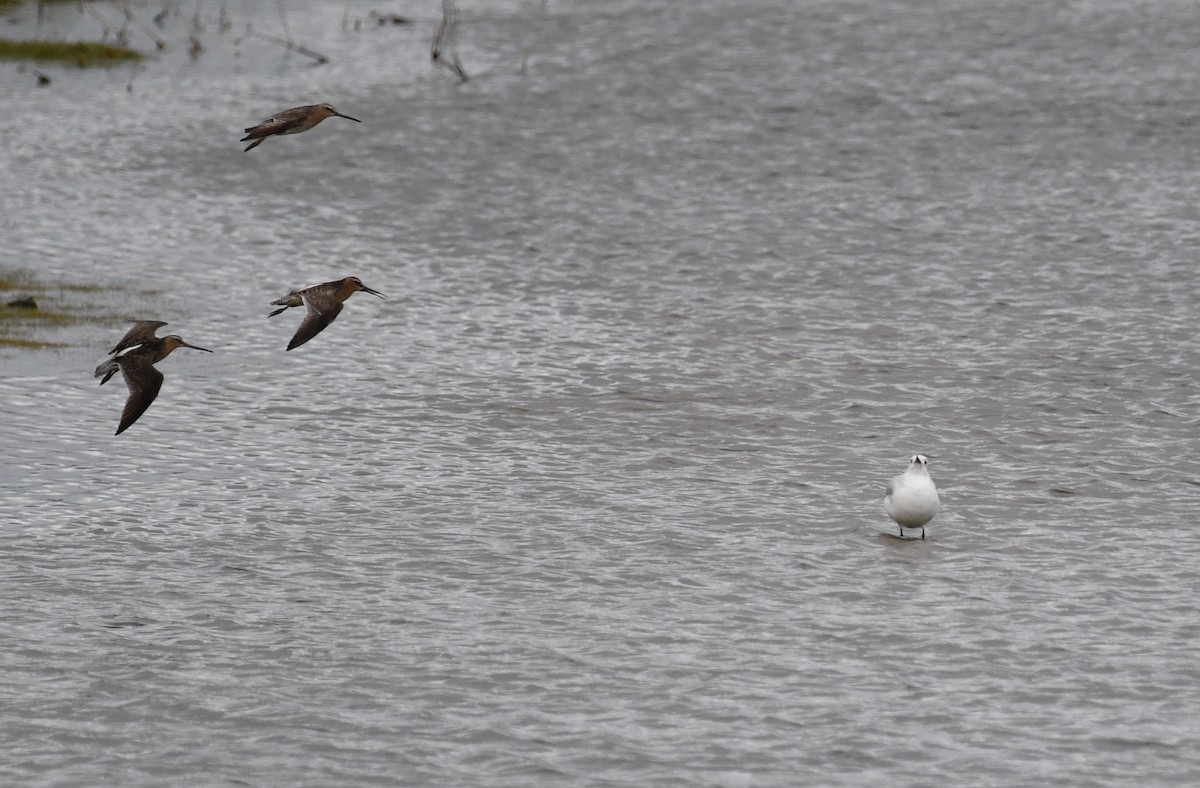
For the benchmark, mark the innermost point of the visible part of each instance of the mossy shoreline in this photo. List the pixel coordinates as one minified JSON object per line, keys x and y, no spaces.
{"x":50,"y":310}
{"x":80,"y":53}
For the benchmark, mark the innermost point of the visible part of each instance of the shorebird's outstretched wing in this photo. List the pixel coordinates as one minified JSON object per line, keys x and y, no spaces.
{"x":279,"y":123}
{"x":142,"y":332}
{"x":319,"y":315}
{"x":144,"y":381}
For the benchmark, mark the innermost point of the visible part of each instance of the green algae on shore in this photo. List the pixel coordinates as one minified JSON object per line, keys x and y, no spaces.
{"x":17,"y":322}
{"x":80,"y":53}
{"x":24,"y":315}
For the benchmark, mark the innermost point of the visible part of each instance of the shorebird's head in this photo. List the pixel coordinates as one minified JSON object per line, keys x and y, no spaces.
{"x":355,"y":284}
{"x":918,"y":459}
{"x":174,"y":341}
{"x":329,"y":110}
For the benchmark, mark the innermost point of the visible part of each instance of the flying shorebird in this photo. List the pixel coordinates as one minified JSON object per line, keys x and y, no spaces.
{"x":137,"y":366}
{"x":324,"y":301}
{"x":912,"y":498}
{"x":291,"y":121}
{"x":143,"y":331}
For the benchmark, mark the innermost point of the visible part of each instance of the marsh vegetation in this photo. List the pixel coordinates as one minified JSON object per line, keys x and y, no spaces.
{"x":33,"y":314}
{"x":79,"y":53}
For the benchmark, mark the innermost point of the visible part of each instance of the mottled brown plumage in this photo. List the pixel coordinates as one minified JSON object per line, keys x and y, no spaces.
{"x":291,"y":121}
{"x":142,"y":331}
{"x":137,"y":367}
{"x":324,"y":302}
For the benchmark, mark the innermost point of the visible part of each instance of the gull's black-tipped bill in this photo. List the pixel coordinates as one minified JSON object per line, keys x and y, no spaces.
{"x":324,"y":303}
{"x":137,"y":367}
{"x":291,"y":121}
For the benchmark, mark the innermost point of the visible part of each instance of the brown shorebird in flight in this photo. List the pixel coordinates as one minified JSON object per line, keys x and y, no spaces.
{"x":292,"y":121}
{"x":324,"y":302}
{"x":137,"y":365}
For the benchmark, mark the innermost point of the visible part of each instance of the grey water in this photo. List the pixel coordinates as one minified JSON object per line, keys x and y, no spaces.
{"x":595,"y":496}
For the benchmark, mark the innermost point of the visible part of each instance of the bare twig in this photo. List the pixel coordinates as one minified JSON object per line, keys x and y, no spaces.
{"x":287,"y":32}
{"x":317,"y":56}
{"x":196,"y":47}
{"x":197,"y":20}
{"x":106,"y":31}
{"x":137,"y":69}
{"x":381,"y":19}
{"x":129,"y":17}
{"x":444,"y":42}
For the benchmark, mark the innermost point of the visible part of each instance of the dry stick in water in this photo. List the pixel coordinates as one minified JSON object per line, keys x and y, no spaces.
{"x":287,"y":41}
{"x":287,"y":32}
{"x":444,"y":40}
{"x":106,"y":31}
{"x":137,"y":69}
{"x":196,"y":48}
{"x":317,"y":56}
{"x":129,"y":17}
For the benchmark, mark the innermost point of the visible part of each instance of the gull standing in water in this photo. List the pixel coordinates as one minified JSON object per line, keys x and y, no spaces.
{"x":912,"y":498}
{"x":137,"y":366}
{"x":292,"y":121}
{"x":324,"y":302}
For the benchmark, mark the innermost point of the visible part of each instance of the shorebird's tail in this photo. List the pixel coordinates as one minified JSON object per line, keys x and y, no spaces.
{"x":107,"y":370}
{"x":291,"y":299}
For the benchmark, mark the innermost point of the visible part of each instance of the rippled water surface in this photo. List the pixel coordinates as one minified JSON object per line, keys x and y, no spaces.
{"x":594,"y":497}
